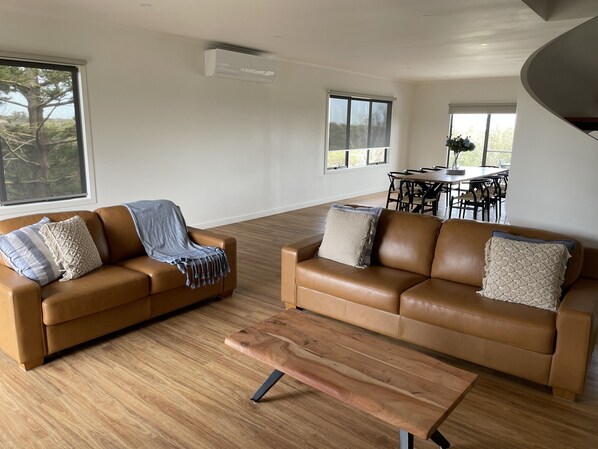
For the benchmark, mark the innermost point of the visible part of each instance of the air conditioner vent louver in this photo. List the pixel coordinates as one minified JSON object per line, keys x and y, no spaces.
{"x":242,"y":66}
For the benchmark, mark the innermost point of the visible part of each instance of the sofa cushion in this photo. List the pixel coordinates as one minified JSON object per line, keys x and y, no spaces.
{"x":349,"y":234}
{"x":72,"y":247}
{"x":94,"y":226}
{"x":375,"y":286}
{"x":459,"y":255}
{"x":406,"y":241}
{"x":458,"y":307}
{"x":162,"y":276}
{"x":121,"y":234}
{"x":525,"y":273}
{"x":102,"y":289}
{"x":25,"y":251}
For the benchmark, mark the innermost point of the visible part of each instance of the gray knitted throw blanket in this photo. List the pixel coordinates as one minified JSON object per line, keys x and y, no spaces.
{"x":163,"y":233}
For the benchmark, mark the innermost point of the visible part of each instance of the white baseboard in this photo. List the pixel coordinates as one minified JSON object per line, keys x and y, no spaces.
{"x":279,"y":210}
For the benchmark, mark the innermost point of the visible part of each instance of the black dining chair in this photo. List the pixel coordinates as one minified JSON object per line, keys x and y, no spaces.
{"x":417,"y":198}
{"x":396,"y":189}
{"x":476,"y":198}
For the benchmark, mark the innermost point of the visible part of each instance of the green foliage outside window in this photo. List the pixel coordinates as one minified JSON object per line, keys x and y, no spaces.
{"x":500,"y":138}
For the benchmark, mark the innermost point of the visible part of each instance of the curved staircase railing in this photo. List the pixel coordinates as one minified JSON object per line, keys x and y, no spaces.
{"x":563,"y":77}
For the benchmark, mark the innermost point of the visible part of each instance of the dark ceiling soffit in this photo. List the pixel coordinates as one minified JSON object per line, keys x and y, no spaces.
{"x":551,"y":10}
{"x":543,"y":8}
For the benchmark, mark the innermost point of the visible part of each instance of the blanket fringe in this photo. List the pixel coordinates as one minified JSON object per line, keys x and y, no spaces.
{"x":204,"y":271}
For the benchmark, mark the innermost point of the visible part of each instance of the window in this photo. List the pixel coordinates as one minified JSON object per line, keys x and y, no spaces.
{"x":489,"y":127}
{"x":358,"y":131}
{"x":41,"y":138}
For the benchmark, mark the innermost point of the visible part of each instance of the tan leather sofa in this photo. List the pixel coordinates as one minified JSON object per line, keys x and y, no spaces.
{"x":129,"y":288}
{"x":421,"y":288}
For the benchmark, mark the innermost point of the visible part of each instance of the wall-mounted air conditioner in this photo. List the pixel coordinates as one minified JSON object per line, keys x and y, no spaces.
{"x":241,"y":66}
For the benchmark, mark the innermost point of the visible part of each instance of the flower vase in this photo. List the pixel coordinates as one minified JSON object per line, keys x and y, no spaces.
{"x":455,"y":170}
{"x":456,"y":162}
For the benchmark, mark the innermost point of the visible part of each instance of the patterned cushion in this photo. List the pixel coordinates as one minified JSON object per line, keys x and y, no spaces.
{"x":524,"y":272}
{"x":349,"y":234}
{"x":25,"y":252}
{"x":72,"y":247}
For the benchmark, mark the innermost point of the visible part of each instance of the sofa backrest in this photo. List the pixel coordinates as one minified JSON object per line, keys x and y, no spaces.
{"x":94,"y":225}
{"x":120,"y":233}
{"x":460,"y":249}
{"x":406,"y":241}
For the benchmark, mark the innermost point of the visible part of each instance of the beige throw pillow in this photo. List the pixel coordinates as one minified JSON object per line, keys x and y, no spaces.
{"x":349,"y":235}
{"x":72,"y":246}
{"x":525,"y":273}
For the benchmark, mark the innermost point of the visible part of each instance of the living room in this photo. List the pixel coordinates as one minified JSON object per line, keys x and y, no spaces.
{"x":158,"y":128}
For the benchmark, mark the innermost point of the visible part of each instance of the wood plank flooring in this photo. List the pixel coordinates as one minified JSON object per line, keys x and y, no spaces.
{"x":173,"y":383}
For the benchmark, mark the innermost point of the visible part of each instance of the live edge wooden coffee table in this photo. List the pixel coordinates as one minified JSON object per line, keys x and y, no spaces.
{"x":405,"y":388}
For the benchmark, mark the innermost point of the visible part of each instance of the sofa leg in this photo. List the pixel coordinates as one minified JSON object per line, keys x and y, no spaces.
{"x":225,"y":294}
{"x":563,"y":394}
{"x":32,"y":364}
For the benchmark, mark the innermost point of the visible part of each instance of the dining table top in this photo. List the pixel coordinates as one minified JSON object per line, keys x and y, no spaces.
{"x":441,"y":176}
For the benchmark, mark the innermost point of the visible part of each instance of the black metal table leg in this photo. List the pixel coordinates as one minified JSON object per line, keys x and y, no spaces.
{"x":272,"y":379}
{"x":406,"y":440}
{"x":439,"y":439}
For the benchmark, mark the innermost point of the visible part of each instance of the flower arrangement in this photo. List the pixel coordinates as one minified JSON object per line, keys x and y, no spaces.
{"x":459,"y":145}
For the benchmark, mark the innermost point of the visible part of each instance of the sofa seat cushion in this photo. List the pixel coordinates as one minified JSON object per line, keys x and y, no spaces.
{"x":376,"y":286}
{"x":107,"y":287}
{"x":457,"y":307}
{"x":162,"y":276}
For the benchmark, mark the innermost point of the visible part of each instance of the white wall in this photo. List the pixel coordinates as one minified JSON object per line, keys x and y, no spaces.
{"x":552,"y":182}
{"x":430,"y":119}
{"x":224,"y":150}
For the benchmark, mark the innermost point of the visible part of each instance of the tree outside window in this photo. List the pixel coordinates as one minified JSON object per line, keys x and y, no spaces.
{"x":40,"y":133}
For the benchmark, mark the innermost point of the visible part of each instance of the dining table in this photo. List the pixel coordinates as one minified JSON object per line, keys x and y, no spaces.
{"x":433,"y":181}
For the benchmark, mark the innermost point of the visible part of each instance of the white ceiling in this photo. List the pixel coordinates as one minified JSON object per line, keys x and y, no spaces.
{"x":398,"y":39}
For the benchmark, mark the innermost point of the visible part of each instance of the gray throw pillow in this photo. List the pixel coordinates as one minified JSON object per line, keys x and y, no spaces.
{"x":570,"y":244}
{"x":349,"y":234}
{"x":25,"y":251}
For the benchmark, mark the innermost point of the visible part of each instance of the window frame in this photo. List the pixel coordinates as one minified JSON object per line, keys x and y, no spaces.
{"x":83,"y":125}
{"x":371,"y":99}
{"x":487,"y":109}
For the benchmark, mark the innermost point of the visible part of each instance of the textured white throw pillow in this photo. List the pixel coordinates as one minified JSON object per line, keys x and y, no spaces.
{"x":349,"y":235}
{"x":72,"y":246}
{"x":525,"y":273}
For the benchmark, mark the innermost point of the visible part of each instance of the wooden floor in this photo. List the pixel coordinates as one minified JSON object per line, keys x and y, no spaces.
{"x":173,"y":383}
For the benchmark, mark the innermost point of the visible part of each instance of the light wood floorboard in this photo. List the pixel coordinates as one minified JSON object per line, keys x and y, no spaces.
{"x":172,"y":383}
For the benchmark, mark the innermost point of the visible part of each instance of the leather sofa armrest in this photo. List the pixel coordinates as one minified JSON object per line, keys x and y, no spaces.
{"x":21,"y":325}
{"x":228,"y":244}
{"x":576,"y":326}
{"x":291,"y":255}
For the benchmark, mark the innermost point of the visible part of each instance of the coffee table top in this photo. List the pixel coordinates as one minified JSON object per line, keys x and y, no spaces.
{"x":401,"y":386}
